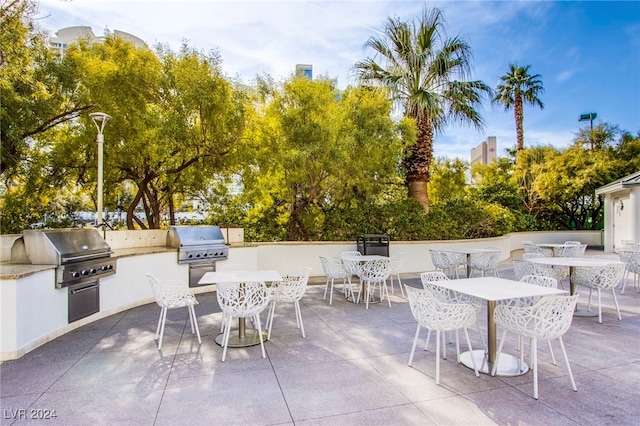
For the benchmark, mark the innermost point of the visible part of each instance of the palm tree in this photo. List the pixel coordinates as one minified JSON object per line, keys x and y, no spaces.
{"x":516,"y":88}
{"x":425,"y":73}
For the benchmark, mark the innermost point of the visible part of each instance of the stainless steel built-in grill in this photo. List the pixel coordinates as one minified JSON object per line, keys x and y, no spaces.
{"x":80,"y":254}
{"x":198,"y":246}
{"x":197,"y":243}
{"x":81,"y":257}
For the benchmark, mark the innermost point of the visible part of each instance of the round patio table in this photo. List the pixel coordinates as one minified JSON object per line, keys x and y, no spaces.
{"x":572,"y":263}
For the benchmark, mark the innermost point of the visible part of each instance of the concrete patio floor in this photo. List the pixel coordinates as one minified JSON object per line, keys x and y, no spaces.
{"x":350,"y":369}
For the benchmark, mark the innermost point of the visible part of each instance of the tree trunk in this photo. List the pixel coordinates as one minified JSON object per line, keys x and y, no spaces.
{"x":417,"y":163}
{"x":519,"y":115}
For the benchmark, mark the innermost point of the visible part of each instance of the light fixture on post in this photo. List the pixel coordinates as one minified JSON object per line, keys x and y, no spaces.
{"x":100,"y":119}
{"x":589,"y":117}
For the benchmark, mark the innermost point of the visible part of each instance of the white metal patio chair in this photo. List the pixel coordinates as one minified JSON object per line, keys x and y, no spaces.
{"x":351,"y":266}
{"x":571,"y":250}
{"x":397,"y":263}
{"x":289,"y":290}
{"x":446,"y":262}
{"x":242,"y":300}
{"x":449,"y":296}
{"x":531,"y":247}
{"x":173,"y":294}
{"x":229,"y":267}
{"x":485,"y":262}
{"x":334,"y":270}
{"x":432,"y":314}
{"x":375,"y":274}
{"x":600,"y":278}
{"x":631,"y":259}
{"x":557,"y":272}
{"x":549,"y":318}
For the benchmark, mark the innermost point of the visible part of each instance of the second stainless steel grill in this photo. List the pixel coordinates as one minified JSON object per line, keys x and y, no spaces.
{"x":197,"y":244}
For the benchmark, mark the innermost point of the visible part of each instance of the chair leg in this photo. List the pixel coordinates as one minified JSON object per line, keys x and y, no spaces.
{"x":269,"y":322}
{"x":495,"y":364}
{"x":473,"y":361}
{"x":553,"y":358}
{"x":326,"y":287}
{"x":299,"y":317}
{"x":566,"y":360}
{"x":534,"y":366}
{"x":401,"y":287}
{"x":225,"y":337}
{"x":331,"y":294}
{"x":164,"y":319}
{"x":264,"y":355}
{"x":615,"y":300}
{"x":194,"y":323}
{"x":367,"y":295}
{"x":159,"y":322}
{"x":625,"y":275}
{"x":426,"y":343}
{"x":415,"y":342}
{"x":383,"y":285}
{"x":599,"y":308}
{"x":438,"y":357}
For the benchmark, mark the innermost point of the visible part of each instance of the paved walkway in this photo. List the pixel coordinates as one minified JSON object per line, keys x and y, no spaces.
{"x":350,"y":369}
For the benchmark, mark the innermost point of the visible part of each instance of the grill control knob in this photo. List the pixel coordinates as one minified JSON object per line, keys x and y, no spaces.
{"x":75,"y":274}
{"x":92,"y":270}
{"x":85,"y":272}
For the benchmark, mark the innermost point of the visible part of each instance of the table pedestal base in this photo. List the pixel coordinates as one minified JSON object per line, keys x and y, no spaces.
{"x":582,"y":312}
{"x":508,"y":365}
{"x":251,"y":338}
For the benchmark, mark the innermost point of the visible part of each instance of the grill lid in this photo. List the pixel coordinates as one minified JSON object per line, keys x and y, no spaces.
{"x":58,"y":246}
{"x":187,"y":236}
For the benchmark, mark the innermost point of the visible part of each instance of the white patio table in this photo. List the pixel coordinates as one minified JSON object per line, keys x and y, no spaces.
{"x":244,"y":337}
{"x":468,"y":252}
{"x":572,"y":263}
{"x":493,"y":289}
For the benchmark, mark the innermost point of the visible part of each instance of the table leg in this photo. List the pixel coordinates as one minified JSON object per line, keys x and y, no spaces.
{"x":508,"y":365}
{"x":468,"y":265}
{"x":491,"y":333}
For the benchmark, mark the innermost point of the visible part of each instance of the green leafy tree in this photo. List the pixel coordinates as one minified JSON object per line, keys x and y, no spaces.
{"x":316,"y":149}
{"x":37,"y":88}
{"x":175,"y":120}
{"x":448,"y":180}
{"x":425,"y":72}
{"x":517,"y":88}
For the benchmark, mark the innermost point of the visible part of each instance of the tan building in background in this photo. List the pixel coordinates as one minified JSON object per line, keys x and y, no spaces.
{"x":64,"y":37}
{"x":485,"y":152}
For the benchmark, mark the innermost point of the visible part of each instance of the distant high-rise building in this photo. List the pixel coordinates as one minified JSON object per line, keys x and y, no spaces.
{"x":68,"y":35}
{"x":484,"y":153}
{"x":304,"y":70}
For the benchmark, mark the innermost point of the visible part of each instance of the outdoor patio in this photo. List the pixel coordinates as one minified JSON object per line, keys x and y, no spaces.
{"x":350,"y":369}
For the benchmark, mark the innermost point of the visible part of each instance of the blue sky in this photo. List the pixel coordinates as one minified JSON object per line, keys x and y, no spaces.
{"x":587,"y":52}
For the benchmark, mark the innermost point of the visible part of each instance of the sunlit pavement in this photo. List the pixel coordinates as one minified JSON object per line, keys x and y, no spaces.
{"x":350,"y":369}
